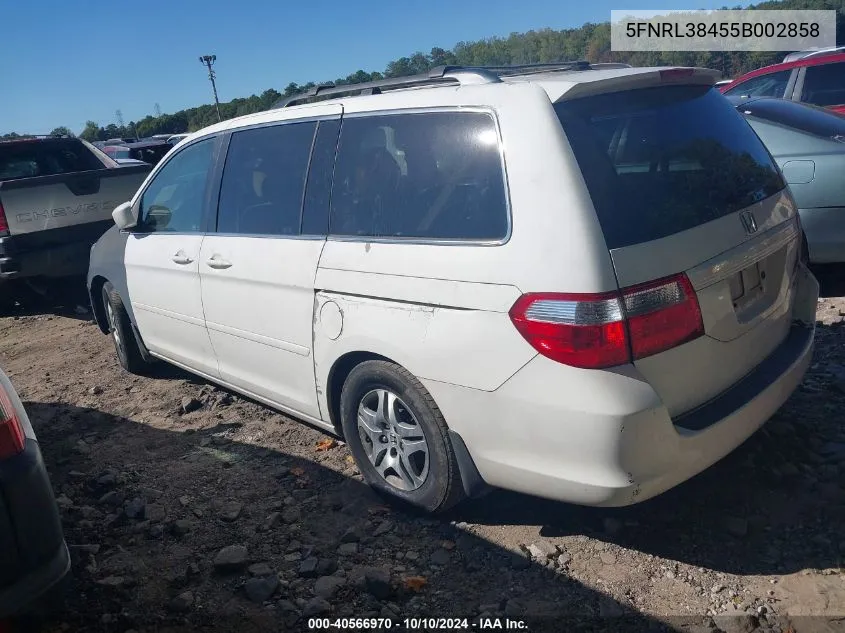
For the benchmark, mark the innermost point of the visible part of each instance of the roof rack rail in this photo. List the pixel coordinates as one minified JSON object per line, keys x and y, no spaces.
{"x":440,"y":75}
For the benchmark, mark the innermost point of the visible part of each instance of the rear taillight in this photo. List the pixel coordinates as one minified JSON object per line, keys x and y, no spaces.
{"x":661,"y":315}
{"x":4,"y":225}
{"x":603,"y":330}
{"x":12,"y":439}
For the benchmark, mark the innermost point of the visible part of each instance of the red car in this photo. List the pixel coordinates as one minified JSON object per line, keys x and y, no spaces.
{"x":818,"y":79}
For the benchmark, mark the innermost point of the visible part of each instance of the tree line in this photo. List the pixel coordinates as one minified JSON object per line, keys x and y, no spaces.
{"x":590,"y":41}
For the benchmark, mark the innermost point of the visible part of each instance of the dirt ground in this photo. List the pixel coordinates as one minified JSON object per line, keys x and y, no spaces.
{"x":232,"y":517}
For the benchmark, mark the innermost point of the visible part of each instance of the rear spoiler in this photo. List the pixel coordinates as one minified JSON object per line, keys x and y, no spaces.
{"x":633,"y":79}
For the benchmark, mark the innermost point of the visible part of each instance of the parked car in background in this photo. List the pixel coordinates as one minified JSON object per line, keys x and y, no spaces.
{"x":615,"y":312}
{"x":126,"y":162}
{"x":175,"y":138}
{"x":809,"y":145}
{"x":120,"y":141}
{"x":817,"y":79}
{"x":56,"y":199}
{"x":32,"y":547}
{"x":147,"y":151}
{"x":116,"y":151}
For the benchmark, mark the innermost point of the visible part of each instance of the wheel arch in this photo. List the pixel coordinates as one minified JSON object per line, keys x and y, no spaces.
{"x":96,"y":296}
{"x":471,"y":480}
{"x":338,"y":373}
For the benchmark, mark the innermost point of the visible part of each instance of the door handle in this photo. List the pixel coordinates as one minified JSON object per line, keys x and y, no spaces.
{"x":181,"y":258}
{"x":215,"y":261}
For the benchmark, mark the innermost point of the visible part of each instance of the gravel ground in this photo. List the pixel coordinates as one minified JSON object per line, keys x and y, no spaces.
{"x":188,"y":508}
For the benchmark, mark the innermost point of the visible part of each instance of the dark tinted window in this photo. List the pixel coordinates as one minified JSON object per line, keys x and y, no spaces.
{"x":433,"y":175}
{"x":809,"y":119}
{"x":663,"y":160}
{"x":151,"y":154}
{"x":770,"y":85}
{"x":264,"y":180}
{"x":824,"y":85}
{"x":174,"y":200}
{"x":27,"y":159}
{"x":315,"y":215}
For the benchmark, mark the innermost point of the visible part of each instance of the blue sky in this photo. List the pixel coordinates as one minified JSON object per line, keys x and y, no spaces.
{"x":65,"y":62}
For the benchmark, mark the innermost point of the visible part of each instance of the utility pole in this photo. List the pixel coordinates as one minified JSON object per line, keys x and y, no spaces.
{"x":208,"y":61}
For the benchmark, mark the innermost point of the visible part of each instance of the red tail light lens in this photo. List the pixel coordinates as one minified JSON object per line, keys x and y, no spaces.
{"x":661,"y":315}
{"x":4,"y":225}
{"x":574,"y":329}
{"x":12,"y":439}
{"x":593,"y":331}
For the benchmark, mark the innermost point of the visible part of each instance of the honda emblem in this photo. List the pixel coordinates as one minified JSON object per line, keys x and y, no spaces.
{"x":748,"y":221}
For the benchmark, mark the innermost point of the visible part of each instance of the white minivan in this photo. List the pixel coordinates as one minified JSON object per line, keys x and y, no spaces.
{"x":581,"y":282}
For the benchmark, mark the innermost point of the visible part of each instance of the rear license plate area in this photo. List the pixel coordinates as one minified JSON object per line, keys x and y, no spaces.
{"x":747,"y":285}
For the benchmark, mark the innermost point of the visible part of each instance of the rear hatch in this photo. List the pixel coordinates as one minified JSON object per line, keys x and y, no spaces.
{"x":682,"y":185}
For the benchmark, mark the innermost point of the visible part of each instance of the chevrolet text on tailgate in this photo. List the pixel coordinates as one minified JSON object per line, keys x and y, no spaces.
{"x":579,"y":281}
{"x":56,"y":199}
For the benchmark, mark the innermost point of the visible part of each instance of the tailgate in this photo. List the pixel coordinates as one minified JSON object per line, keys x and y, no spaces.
{"x":681,"y":184}
{"x":745,"y":294}
{"x":49,"y":202}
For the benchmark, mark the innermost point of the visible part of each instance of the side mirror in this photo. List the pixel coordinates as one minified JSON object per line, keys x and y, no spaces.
{"x":124,"y":216}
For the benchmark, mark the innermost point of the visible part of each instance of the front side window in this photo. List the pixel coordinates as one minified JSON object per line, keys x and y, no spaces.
{"x":264,"y":180}
{"x":433,"y":175}
{"x":174,"y":200}
{"x":770,"y":85}
{"x":824,"y":85}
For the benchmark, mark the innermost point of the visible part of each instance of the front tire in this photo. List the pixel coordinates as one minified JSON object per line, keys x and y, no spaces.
{"x":398,"y":437}
{"x":120,"y":329}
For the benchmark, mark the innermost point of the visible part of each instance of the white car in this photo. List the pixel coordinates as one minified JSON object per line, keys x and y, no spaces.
{"x":580,"y":283}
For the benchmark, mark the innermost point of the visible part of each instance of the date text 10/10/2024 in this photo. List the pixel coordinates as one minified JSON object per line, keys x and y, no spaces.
{"x":417,"y":624}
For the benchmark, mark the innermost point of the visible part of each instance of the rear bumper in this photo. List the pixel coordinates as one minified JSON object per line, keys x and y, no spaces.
{"x":604,"y":438}
{"x":34,"y":554}
{"x":60,"y":252}
{"x":825,"y":231}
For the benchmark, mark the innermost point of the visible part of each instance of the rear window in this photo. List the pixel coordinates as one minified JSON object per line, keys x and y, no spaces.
{"x":28,"y":159}
{"x":663,"y":160}
{"x":809,"y":119}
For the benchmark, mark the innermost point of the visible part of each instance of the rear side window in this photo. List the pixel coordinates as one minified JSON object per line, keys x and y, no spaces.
{"x":770,"y":85}
{"x":824,"y":85}
{"x":264,"y":180}
{"x":663,"y":160}
{"x":433,"y":175}
{"x":28,"y":159}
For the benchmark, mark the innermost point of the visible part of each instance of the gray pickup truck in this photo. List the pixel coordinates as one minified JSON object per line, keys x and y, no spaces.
{"x":56,"y":199}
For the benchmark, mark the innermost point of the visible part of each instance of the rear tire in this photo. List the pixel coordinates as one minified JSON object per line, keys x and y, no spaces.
{"x":120,"y":328}
{"x":398,"y":437}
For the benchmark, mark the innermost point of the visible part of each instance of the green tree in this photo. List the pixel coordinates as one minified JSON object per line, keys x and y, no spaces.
{"x":61,"y":131}
{"x":91,"y":132}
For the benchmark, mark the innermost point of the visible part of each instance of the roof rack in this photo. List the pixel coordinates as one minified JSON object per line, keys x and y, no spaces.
{"x":440,"y":75}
